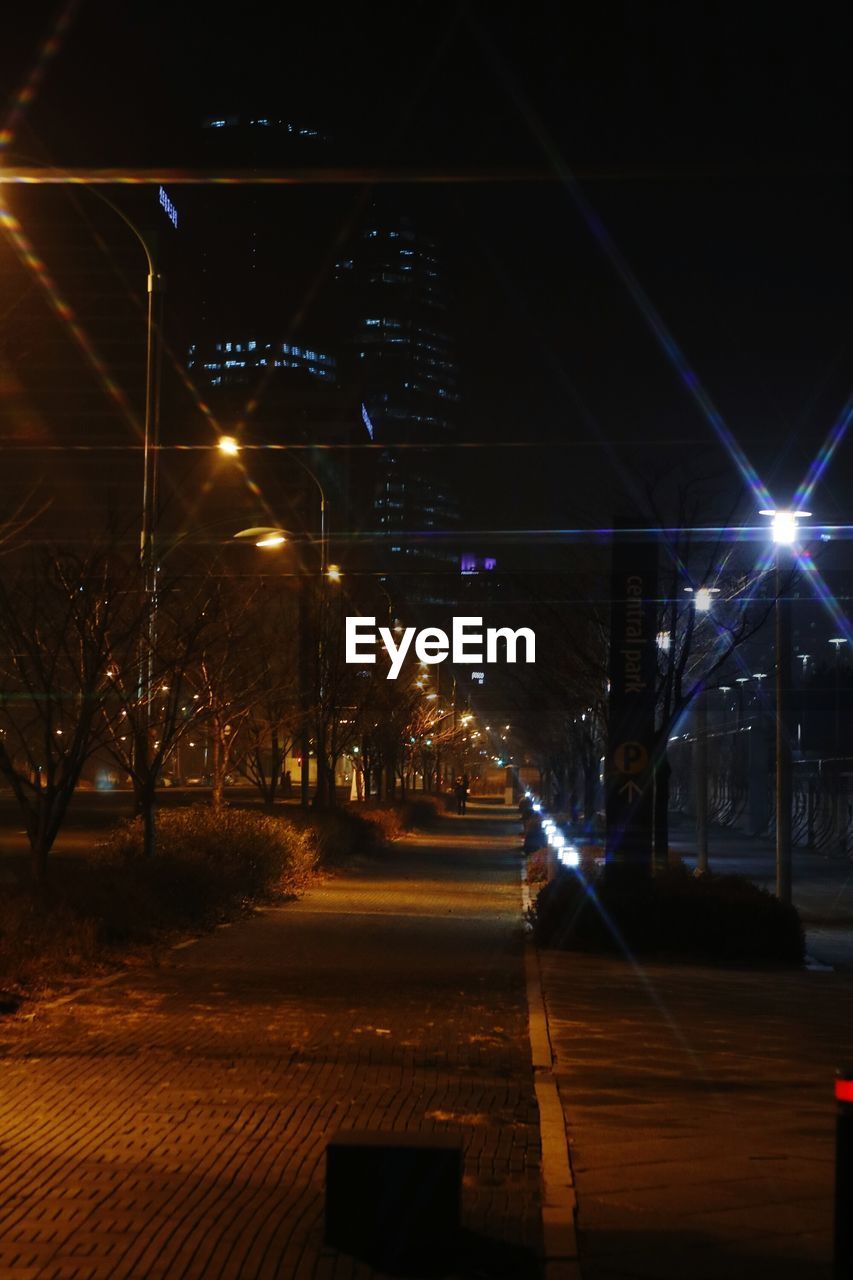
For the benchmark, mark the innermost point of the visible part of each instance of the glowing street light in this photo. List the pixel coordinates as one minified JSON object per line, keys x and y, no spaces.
{"x":702,"y":597}
{"x":783,"y":525}
{"x":333,"y":573}
{"x":229,"y":446}
{"x":263,"y":536}
{"x":783,"y":529}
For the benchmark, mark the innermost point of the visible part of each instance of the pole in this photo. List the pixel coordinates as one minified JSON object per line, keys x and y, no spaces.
{"x":304,"y":690}
{"x":701,"y":779}
{"x":837,"y":699}
{"x":784,"y":764}
{"x":842,"y":1253}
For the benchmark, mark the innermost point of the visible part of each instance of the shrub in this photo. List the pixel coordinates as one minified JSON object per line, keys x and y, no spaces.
{"x":423,"y":811}
{"x":251,"y":854}
{"x":537,"y":867}
{"x":388,"y":819}
{"x":40,"y":937}
{"x":675,"y":914}
{"x":208,"y":864}
{"x":349,"y":831}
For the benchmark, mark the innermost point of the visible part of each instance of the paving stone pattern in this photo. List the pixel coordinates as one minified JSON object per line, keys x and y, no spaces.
{"x":172,"y":1125}
{"x":700,"y":1113}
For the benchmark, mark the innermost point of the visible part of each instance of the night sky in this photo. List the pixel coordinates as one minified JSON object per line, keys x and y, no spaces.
{"x":711,"y":141}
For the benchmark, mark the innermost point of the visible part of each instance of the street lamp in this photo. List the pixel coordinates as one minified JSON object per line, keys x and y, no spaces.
{"x":783,"y":528}
{"x":703,"y":597}
{"x":702,"y":600}
{"x":231,"y":447}
{"x":267,"y":538}
{"x":837,"y":642}
{"x":783,"y":525}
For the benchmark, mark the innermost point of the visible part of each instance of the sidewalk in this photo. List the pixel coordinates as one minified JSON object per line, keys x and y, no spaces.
{"x":172,"y":1125}
{"x":700,"y":1111}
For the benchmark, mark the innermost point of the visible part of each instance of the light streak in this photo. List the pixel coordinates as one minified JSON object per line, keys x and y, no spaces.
{"x":62,"y":308}
{"x":28,"y":175}
{"x":27,"y":93}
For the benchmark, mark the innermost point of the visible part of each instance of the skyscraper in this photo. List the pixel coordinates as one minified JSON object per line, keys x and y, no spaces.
{"x":302,"y":293}
{"x":399,"y":353}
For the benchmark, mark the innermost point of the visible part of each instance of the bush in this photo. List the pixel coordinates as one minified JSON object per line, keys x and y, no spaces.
{"x":674,"y":914}
{"x":349,"y":831}
{"x":251,"y":855}
{"x":40,"y":938}
{"x":423,"y":811}
{"x":388,"y":819}
{"x":208,"y":864}
{"x":359,"y":831}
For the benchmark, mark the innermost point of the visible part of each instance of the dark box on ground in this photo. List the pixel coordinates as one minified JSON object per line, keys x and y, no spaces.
{"x":394,"y":1199}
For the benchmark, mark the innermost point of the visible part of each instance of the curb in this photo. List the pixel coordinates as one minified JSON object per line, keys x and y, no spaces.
{"x":559,"y":1202}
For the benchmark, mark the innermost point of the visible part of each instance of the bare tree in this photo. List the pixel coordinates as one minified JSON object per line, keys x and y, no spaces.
{"x":271,"y":725}
{"x":58,"y":613}
{"x":151,"y":704}
{"x":695,"y":643}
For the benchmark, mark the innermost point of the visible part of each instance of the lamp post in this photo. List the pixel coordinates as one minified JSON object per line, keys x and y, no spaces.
{"x":230,"y":446}
{"x":702,"y":599}
{"x":150,"y":439}
{"x":726,"y":750}
{"x":267,"y":537}
{"x":270,"y":537}
{"x":837,"y":642}
{"x":784,"y":532}
{"x":154,"y":289}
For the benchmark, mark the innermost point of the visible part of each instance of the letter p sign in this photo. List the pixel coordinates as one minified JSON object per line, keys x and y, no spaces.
{"x":630,"y":757}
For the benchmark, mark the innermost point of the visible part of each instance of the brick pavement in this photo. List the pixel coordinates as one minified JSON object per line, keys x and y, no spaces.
{"x":700,"y":1115}
{"x":172,"y":1125}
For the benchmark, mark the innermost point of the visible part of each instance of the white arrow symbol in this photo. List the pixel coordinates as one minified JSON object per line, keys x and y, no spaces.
{"x":632,"y":789}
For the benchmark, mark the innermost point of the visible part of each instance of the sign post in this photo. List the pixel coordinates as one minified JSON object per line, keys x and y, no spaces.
{"x":629,"y":771}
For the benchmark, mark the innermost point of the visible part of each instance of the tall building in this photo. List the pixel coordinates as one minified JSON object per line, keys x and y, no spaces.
{"x":274,"y":305}
{"x":399,"y":352}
